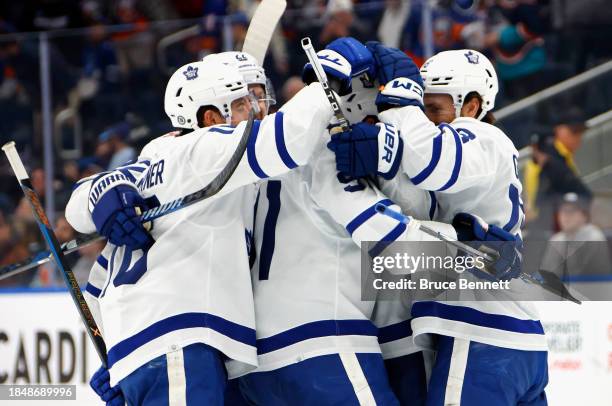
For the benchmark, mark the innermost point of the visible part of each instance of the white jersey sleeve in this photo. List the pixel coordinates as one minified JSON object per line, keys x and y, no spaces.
{"x":440,"y":158}
{"x":352,"y":204}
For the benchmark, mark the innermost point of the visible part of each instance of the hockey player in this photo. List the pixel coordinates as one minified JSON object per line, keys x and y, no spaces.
{"x":173,"y":305}
{"x":487,"y":352}
{"x":315,"y":340}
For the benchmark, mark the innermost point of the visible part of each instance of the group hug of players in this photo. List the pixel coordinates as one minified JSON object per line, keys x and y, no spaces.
{"x":253,"y":296}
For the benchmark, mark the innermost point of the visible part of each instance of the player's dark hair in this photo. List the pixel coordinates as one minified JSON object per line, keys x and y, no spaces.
{"x":202,"y":110}
{"x":488,"y":117}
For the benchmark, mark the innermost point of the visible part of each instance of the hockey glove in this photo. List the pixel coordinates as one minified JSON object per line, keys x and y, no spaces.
{"x":100,"y":383}
{"x":399,"y":75}
{"x":367,"y":150}
{"x":489,"y":238}
{"x":115,"y":204}
{"x":341,"y":60}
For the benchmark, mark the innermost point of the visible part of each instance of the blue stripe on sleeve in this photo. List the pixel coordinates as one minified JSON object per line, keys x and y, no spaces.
{"x":513,"y":194}
{"x":387,"y":239}
{"x":433,"y":205}
{"x":365,"y":216}
{"x":435,"y":158}
{"x":182,"y":321}
{"x":93,"y":290}
{"x":476,"y":317}
{"x":279,"y":134}
{"x":221,"y":130}
{"x":103,"y":262}
{"x":315,"y":329}
{"x":251,"y":156}
{"x":394,"y":332}
{"x":458,"y":158}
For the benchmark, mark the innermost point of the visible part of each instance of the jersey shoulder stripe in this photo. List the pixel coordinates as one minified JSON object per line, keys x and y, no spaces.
{"x":458,"y":157}
{"x":435,"y":158}
{"x":251,"y":155}
{"x":279,"y":135}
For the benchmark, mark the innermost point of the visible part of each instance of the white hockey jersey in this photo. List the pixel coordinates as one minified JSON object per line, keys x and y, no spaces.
{"x":468,"y":166}
{"x":193,"y":284}
{"x":307,"y":275}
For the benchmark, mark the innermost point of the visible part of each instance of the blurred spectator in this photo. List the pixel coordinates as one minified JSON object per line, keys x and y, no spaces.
{"x":293,"y":85}
{"x":114,"y":142}
{"x":393,"y":21}
{"x":579,"y":248}
{"x":12,"y":249}
{"x":518,"y":47}
{"x":339,"y":20}
{"x":552,"y":171}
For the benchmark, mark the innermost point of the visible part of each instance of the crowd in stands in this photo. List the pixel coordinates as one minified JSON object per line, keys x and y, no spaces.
{"x":110,"y":60}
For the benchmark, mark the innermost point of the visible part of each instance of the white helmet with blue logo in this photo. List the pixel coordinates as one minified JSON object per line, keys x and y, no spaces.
{"x":458,"y":73}
{"x":198,"y":84}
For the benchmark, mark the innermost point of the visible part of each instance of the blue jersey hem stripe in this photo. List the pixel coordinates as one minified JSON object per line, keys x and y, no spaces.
{"x":103,"y":262}
{"x":387,"y":239}
{"x":435,"y":158}
{"x":365,"y":216}
{"x":458,"y":157}
{"x":251,"y":155}
{"x":182,"y":321}
{"x":279,"y":135}
{"x":316,"y":329}
{"x":476,"y":317}
{"x":394,"y":332}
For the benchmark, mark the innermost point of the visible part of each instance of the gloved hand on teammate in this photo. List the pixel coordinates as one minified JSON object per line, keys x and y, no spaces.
{"x":494,"y":240}
{"x":367,"y":150}
{"x":400,"y":78}
{"x":100,"y":383}
{"x":341,"y":60}
{"x":115,"y":205}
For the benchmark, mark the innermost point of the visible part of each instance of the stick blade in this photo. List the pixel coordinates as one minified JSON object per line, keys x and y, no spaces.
{"x":261,"y":28}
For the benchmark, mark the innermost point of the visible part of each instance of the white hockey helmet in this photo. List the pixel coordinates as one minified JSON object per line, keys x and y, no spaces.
{"x":200,"y":84}
{"x":458,"y":73}
{"x":249,"y":67}
{"x":360,"y":103}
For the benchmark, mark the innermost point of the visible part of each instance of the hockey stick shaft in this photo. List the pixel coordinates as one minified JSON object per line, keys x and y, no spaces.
{"x":560,"y":290}
{"x":322,"y":77}
{"x":45,"y":256}
{"x":45,"y":227}
{"x":209,"y":190}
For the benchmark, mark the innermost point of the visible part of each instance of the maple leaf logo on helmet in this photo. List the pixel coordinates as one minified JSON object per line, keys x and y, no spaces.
{"x":191,"y":73}
{"x":471,"y":57}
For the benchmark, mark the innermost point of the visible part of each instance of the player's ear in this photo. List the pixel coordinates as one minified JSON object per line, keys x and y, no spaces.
{"x":471,"y":107}
{"x":212,"y":117}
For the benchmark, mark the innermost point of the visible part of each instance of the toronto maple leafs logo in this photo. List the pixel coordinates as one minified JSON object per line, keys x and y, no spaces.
{"x":191,"y":73}
{"x":241,"y":57}
{"x":471,"y":57}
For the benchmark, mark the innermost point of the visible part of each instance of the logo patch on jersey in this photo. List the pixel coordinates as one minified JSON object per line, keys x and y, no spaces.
{"x":191,"y":73}
{"x":471,"y":57}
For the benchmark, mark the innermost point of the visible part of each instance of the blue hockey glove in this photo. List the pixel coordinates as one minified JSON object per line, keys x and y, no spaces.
{"x":367,"y":150}
{"x":342,"y":59}
{"x":100,"y":383}
{"x":403,"y":84}
{"x":115,"y":204}
{"x":491,"y":239}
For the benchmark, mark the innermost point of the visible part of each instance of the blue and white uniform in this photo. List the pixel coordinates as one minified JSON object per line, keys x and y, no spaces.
{"x":468,"y":166}
{"x":315,"y":339}
{"x":193,"y":284}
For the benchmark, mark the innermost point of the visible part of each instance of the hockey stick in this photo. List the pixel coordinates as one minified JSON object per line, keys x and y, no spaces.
{"x":261,"y":28}
{"x":209,"y":190}
{"x":43,"y":223}
{"x":45,"y":256}
{"x":322,"y":77}
{"x":549,"y":284}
